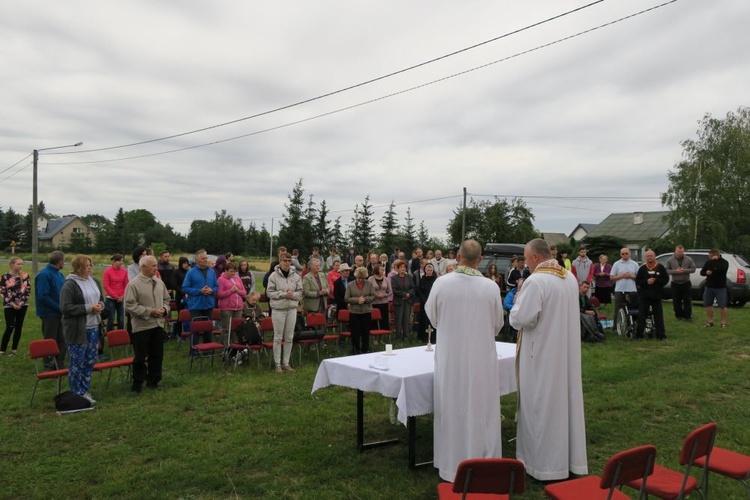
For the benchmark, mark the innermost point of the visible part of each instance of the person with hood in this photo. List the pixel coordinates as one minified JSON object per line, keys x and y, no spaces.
{"x":232,"y":296}
{"x":183,"y":266}
{"x":81,"y":303}
{"x":220,"y":265}
{"x":284,"y":292}
{"x":423,"y":293}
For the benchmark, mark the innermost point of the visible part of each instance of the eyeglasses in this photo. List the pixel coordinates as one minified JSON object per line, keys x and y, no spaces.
{"x":287,"y":260}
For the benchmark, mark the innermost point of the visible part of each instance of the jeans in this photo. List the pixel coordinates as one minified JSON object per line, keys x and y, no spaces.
{"x":14,"y":324}
{"x":114,"y":306}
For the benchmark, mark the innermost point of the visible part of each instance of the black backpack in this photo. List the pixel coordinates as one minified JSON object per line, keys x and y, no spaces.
{"x":248,"y":333}
{"x":70,"y":401}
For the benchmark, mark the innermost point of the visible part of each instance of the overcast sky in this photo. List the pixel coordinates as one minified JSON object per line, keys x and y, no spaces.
{"x":598,"y":115}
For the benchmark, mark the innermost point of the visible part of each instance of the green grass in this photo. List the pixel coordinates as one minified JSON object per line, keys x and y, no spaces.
{"x":253,"y":433}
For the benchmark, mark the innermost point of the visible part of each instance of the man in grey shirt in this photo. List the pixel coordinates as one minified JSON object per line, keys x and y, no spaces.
{"x":679,"y":268}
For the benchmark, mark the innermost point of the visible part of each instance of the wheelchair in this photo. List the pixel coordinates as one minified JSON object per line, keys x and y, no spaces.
{"x":626,"y":320}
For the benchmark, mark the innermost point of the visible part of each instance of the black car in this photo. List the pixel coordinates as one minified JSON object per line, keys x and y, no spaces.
{"x":500,"y":255}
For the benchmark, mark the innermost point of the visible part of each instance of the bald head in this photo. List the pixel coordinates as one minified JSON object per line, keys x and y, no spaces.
{"x":536,"y":251}
{"x":470,"y":253}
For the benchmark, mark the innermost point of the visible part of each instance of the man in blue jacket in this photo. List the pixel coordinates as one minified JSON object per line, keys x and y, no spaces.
{"x":200,"y":285}
{"x":47,"y":286}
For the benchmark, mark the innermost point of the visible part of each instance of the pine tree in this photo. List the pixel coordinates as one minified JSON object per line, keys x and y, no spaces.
{"x":423,"y":236}
{"x":389,"y":237}
{"x":407,"y":233}
{"x":363,"y":229}
{"x":322,"y":229}
{"x":295,"y":229}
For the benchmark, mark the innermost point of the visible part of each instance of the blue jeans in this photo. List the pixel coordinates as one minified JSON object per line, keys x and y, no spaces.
{"x":81,"y":363}
{"x":113,"y":307}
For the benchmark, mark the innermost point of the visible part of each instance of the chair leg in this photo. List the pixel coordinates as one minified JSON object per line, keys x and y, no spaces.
{"x":31,"y":403}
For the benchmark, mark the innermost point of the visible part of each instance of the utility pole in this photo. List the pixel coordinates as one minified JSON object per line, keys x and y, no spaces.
{"x":463,"y":219}
{"x":35,"y":209}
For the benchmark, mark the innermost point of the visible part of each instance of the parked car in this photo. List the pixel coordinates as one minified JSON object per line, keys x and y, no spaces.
{"x":737,"y":275}
{"x":500,"y":255}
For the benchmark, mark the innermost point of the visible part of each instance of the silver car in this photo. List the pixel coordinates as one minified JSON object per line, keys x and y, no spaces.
{"x":737,"y":276}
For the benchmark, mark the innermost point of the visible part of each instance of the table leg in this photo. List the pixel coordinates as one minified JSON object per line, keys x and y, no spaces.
{"x":411,"y":426}
{"x":361,"y":445}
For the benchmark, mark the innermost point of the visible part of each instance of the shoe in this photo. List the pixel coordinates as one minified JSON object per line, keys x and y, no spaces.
{"x":12,"y":353}
{"x":287,"y":368}
{"x":708,"y":324}
{"x":279,"y":370}
{"x":89,"y":397}
{"x":724,"y":325}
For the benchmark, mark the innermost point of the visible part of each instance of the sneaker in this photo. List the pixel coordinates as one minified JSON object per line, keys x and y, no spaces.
{"x":287,"y":368}
{"x":89,"y":397}
{"x":279,"y":370}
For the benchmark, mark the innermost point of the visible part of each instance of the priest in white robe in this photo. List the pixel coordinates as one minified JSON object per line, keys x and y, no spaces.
{"x":551,"y":427}
{"x":467,"y":311}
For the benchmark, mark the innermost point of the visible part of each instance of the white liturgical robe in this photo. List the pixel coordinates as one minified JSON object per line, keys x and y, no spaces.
{"x":551,"y":427}
{"x":467,"y":312}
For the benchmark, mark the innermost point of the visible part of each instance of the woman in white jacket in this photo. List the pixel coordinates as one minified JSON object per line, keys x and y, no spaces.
{"x":284,"y":292}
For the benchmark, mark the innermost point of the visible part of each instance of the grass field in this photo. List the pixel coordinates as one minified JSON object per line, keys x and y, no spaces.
{"x":253,"y":433}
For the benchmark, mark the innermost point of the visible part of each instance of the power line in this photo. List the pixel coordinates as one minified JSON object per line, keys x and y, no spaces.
{"x":16,"y":163}
{"x":370,"y":101}
{"x":17,"y":171}
{"x":345,"y":89}
{"x":574,"y":198}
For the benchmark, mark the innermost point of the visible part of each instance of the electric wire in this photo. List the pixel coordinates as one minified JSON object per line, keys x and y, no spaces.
{"x":16,"y":163}
{"x":370,"y":101}
{"x":17,"y":171}
{"x":345,"y":89}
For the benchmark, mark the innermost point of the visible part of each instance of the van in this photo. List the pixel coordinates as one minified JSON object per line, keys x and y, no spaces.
{"x":500,"y":255}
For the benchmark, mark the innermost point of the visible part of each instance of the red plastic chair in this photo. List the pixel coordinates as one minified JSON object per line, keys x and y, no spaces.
{"x":313,"y":321}
{"x":331,"y":327}
{"x":205,"y":349}
{"x":266,"y":331}
{"x":727,"y":463}
{"x":622,"y":468}
{"x":116,"y":340}
{"x":595,"y":304}
{"x":234,"y":324}
{"x":485,"y":478}
{"x":416,"y":309}
{"x":343,"y":317}
{"x":667,"y":483}
{"x":377,"y":318}
{"x":184,"y":318}
{"x":40,"y":349}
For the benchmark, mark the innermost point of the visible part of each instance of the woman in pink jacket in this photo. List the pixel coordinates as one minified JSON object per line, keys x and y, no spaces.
{"x":232,"y":296}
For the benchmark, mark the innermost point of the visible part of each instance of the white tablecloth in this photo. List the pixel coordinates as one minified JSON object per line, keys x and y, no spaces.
{"x":409,"y":378}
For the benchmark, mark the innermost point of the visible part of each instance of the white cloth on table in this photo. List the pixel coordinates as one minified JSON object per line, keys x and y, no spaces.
{"x":551,"y":426}
{"x":409,"y":378}
{"x":468,"y":313}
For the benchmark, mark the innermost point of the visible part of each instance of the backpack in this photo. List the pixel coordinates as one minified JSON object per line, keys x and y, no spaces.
{"x":248,"y":333}
{"x":301,"y":332}
{"x":70,"y":402}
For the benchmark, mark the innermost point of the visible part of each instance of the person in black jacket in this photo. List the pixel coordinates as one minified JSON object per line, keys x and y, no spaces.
{"x":650,"y":280}
{"x":715,"y":270}
{"x":423,"y":293}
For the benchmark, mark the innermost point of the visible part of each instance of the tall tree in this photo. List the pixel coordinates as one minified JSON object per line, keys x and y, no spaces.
{"x":363,"y":235}
{"x":408,"y":235}
{"x":423,"y":236}
{"x":337,"y":237}
{"x":322,"y":229}
{"x":709,"y":189}
{"x":294,"y":229}
{"x":389,"y":238}
{"x":493,"y":222}
{"x":12,"y":226}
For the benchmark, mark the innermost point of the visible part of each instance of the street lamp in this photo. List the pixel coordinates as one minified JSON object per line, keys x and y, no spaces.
{"x":35,"y":210}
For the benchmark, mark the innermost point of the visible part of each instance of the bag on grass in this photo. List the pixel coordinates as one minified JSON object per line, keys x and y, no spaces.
{"x":70,"y":401}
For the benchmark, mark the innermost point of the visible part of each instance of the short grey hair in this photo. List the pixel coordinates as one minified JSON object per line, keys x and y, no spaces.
{"x":470,"y":252}
{"x":540,"y":247}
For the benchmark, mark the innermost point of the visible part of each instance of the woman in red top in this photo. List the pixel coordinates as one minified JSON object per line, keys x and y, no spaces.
{"x":115,"y":279}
